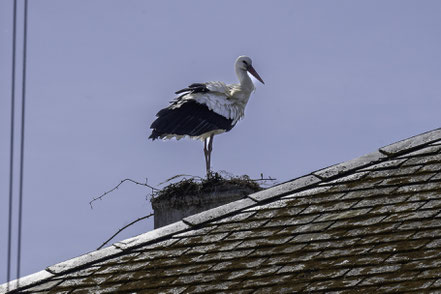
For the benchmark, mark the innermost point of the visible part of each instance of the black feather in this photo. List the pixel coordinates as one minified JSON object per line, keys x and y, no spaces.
{"x":191,"y":118}
{"x":194,"y":88}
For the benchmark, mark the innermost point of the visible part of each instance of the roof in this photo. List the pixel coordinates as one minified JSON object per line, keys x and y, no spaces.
{"x":369,"y":224}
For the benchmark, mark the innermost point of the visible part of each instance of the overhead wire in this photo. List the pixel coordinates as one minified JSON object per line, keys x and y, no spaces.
{"x":11,"y":146}
{"x":22,"y":144}
{"x":22,"y":138}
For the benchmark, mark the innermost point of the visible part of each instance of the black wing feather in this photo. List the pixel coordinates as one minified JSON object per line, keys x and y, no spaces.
{"x":191,"y":118}
{"x":194,"y":88}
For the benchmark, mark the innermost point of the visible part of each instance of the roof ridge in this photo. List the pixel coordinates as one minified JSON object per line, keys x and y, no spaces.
{"x":412,"y":143}
{"x":305,"y":182}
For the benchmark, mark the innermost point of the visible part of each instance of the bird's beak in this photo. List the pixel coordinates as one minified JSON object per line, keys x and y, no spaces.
{"x":252,"y":71}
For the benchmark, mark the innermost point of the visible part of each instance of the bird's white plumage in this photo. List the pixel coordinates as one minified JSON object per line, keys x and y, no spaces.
{"x":200,"y":137}
{"x":226,"y":100}
{"x":219,"y":87}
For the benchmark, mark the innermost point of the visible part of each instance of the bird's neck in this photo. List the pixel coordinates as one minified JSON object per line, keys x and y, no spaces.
{"x":245,"y":81}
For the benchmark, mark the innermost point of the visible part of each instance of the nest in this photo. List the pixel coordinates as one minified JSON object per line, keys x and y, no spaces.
{"x":215,"y":182}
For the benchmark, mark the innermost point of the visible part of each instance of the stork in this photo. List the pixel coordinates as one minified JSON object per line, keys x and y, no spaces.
{"x":203,"y":110}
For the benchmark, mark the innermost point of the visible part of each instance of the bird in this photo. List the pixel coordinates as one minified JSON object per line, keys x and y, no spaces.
{"x":203,"y":110}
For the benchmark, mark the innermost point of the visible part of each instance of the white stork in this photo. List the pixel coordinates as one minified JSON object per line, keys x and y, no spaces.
{"x":206,"y":109}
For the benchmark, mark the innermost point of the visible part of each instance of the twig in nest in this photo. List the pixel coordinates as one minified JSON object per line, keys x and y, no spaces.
{"x":117,"y":186}
{"x":123,"y":228}
{"x":179,"y":176}
{"x":263,"y":179}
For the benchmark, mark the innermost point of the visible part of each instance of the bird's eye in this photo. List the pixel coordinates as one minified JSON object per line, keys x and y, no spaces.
{"x":246,"y":63}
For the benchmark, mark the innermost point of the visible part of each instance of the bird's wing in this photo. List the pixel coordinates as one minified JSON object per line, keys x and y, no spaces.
{"x":190,"y":119}
{"x":213,"y":87}
{"x":215,"y":95}
{"x":219,"y":87}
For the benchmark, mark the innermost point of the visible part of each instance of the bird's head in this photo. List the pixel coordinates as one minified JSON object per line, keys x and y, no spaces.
{"x":246,"y":64}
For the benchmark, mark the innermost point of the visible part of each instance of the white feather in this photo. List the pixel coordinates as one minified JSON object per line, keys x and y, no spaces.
{"x":226,"y":100}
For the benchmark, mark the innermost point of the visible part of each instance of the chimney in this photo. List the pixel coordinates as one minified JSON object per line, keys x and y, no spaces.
{"x":176,"y":204}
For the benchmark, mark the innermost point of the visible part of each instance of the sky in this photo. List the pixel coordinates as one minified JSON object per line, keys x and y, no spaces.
{"x":342,"y":78}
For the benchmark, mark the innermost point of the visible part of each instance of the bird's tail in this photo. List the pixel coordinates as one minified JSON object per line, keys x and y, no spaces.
{"x":155,"y":135}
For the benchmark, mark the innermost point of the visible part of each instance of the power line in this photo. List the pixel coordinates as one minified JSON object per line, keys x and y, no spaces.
{"x":12,"y":139}
{"x":22,"y":138}
{"x":11,"y":151}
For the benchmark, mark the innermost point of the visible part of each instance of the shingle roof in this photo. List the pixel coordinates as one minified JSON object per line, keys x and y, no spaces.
{"x":369,"y":224}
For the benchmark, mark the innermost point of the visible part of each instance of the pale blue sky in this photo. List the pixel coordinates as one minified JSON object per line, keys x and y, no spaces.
{"x":342,"y":78}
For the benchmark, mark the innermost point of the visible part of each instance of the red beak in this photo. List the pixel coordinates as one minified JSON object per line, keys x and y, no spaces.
{"x":252,"y":71}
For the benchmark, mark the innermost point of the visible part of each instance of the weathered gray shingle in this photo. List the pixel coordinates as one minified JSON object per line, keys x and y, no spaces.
{"x":372,"y":224}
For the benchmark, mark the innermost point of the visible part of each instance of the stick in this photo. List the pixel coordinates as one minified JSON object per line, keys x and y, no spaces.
{"x":123,"y":228}
{"x":117,"y":186}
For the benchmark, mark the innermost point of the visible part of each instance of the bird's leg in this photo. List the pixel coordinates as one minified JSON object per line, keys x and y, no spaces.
{"x":206,"y":154}
{"x":209,"y":149}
